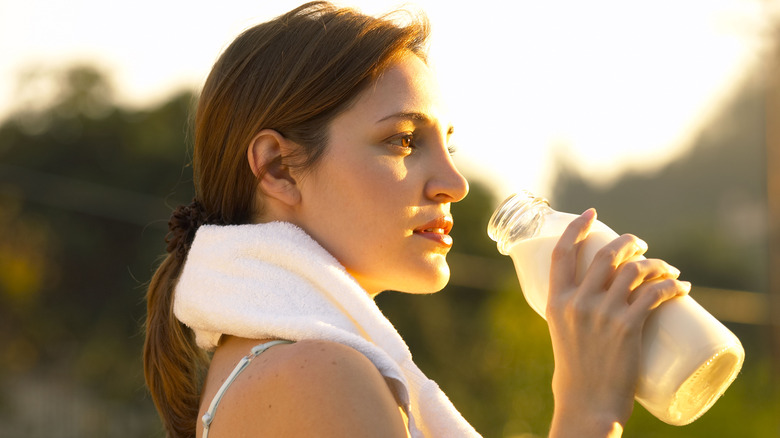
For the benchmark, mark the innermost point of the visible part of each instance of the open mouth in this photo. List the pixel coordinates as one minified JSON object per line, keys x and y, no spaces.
{"x":437,"y":230}
{"x":440,"y":225}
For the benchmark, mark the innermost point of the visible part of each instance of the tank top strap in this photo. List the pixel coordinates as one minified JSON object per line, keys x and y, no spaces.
{"x":257,"y":350}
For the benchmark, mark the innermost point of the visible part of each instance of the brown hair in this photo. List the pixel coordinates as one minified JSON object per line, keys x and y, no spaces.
{"x":293,"y":74}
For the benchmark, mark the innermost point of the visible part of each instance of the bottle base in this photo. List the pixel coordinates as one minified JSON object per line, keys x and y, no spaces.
{"x":702,"y":389}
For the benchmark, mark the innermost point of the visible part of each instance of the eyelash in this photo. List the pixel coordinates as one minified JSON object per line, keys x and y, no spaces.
{"x":409,"y":136}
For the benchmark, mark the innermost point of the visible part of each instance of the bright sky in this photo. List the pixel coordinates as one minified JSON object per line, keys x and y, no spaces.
{"x":611,"y":84}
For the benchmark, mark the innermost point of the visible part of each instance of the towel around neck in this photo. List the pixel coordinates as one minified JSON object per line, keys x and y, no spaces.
{"x":263,"y":281}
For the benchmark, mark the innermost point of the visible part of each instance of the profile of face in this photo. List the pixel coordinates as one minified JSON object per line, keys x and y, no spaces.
{"x":379,"y":199}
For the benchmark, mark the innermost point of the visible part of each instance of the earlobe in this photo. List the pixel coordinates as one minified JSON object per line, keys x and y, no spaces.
{"x":266,"y":153}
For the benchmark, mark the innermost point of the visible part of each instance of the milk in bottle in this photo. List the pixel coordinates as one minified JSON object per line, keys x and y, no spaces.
{"x":688,"y":357}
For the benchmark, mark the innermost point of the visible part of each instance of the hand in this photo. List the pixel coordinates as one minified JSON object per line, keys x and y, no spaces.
{"x":596,"y":327}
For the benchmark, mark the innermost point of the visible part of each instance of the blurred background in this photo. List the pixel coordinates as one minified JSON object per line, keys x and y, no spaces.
{"x":662,"y":115}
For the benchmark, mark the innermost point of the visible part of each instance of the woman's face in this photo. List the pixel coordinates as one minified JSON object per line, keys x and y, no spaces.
{"x":379,"y":199}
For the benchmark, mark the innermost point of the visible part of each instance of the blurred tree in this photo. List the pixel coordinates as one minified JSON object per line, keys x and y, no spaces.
{"x":83,"y":187}
{"x":706,"y":211}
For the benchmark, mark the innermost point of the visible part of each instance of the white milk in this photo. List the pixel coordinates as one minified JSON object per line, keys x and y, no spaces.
{"x":532,"y":258}
{"x":688,"y":358}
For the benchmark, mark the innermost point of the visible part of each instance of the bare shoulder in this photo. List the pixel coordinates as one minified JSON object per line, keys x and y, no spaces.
{"x":309,"y":388}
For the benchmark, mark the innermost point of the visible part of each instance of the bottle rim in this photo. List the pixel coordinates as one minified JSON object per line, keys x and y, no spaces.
{"x":509,"y":222}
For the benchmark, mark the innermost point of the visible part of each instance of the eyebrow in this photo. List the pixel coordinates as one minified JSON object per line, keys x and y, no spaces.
{"x":416,"y":116}
{"x":407,"y":115}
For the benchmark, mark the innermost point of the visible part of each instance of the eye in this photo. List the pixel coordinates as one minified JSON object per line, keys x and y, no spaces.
{"x":405,"y":141}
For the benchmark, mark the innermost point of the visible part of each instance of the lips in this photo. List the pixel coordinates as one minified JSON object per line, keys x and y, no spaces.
{"x":437,"y":230}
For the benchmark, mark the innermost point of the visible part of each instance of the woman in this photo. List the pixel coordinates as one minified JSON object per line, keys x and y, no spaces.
{"x":323,"y":176}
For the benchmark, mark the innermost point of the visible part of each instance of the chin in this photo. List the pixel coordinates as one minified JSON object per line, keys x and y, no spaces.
{"x":425,"y":278}
{"x":427,"y":283}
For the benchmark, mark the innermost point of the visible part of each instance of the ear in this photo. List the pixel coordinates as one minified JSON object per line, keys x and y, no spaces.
{"x":265,"y":154}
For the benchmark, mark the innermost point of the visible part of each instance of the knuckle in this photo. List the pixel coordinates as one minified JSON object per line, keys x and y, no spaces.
{"x":659,"y":291}
{"x":633,"y":239}
{"x":566,"y":310}
{"x":633,"y":269}
{"x":579,"y":308}
{"x":608,"y":254}
{"x":668,"y":286}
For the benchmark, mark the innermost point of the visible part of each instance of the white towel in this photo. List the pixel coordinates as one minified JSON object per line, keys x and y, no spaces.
{"x":274,"y":281}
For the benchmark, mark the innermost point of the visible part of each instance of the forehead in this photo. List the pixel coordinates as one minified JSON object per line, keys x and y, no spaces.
{"x":406,"y":86}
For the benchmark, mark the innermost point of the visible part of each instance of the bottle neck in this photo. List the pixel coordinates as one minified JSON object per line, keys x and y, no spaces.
{"x":518,"y":218}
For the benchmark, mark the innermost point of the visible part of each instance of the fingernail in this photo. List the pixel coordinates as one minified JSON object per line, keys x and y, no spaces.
{"x":591,"y":212}
{"x":686,"y":286}
{"x":674,"y":271}
{"x":641,"y":244}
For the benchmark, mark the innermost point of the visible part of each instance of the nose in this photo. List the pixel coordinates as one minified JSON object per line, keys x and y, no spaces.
{"x":446,"y":183}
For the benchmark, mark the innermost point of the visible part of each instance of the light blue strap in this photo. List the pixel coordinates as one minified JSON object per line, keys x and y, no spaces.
{"x":257,"y":350}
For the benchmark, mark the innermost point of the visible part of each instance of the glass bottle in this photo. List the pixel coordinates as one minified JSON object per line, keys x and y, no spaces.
{"x":688,"y":357}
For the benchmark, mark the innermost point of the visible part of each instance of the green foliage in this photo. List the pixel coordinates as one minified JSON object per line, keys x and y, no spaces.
{"x":83,"y":192}
{"x":521,"y":364}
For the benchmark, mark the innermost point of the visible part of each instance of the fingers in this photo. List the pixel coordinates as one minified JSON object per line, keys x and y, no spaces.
{"x":610,"y":259}
{"x":653,"y":293}
{"x":632,"y":274}
{"x":618,"y":276}
{"x":564,"y":256}
{"x":642,"y":285}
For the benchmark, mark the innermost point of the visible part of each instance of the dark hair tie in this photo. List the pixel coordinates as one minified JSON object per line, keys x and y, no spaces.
{"x":184,"y":222}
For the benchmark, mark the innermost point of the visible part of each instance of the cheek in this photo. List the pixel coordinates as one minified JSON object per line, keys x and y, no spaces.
{"x":374,"y":198}
{"x":373,"y":209}
{"x":353,"y":201}
{"x":372,"y":186}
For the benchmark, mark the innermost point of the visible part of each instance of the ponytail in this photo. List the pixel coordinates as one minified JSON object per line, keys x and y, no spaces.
{"x":174,"y":366}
